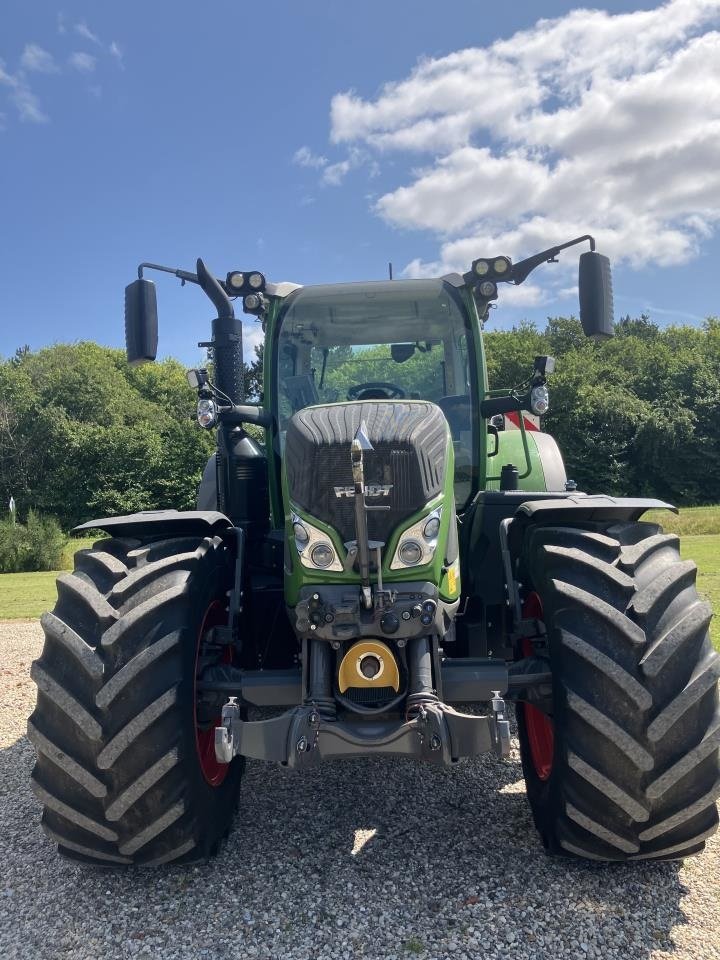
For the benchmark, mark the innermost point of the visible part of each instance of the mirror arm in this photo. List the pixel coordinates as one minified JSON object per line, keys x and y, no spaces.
{"x":522,"y":270}
{"x":183,"y":275}
{"x":203,"y":278}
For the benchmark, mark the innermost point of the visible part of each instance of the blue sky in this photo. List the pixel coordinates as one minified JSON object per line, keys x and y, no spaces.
{"x":318,"y":140}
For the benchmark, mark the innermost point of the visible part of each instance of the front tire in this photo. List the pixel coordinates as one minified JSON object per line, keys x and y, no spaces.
{"x":635,"y":725}
{"x":120,"y":770}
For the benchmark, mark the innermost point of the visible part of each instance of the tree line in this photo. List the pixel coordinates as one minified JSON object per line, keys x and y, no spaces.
{"x":82,"y":434}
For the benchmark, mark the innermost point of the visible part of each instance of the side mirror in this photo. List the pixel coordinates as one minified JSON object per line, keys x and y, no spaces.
{"x":141,"y":322}
{"x":596,"y":295}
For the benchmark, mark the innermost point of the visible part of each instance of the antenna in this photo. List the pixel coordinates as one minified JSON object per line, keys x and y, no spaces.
{"x":390,"y":270}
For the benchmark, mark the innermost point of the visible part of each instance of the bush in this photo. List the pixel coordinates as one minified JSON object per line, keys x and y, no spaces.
{"x":36,"y":545}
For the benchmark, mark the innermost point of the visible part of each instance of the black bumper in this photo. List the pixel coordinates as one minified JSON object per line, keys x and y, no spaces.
{"x":302,"y":737}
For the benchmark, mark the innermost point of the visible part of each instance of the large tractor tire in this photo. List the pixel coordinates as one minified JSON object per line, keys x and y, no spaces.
{"x":126,"y":770}
{"x":625,"y":767}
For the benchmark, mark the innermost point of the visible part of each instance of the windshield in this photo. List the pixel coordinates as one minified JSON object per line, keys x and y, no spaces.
{"x":374,"y":341}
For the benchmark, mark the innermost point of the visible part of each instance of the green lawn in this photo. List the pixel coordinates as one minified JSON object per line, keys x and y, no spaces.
{"x":25,"y":595}
{"x":690,"y":522}
{"x":705,"y":551}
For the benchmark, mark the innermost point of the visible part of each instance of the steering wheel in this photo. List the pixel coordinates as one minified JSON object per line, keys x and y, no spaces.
{"x":376,"y":390}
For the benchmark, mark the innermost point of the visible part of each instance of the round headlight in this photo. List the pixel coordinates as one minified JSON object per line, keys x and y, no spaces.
{"x":501,"y":265}
{"x":236,"y":280}
{"x":539,"y":400}
{"x":256,"y":280}
{"x":207,"y":413}
{"x":301,"y":534}
{"x":410,"y":552}
{"x":252,"y":301}
{"x":431,"y":528}
{"x":482,"y":267}
{"x":488,"y":289}
{"x":322,"y":555}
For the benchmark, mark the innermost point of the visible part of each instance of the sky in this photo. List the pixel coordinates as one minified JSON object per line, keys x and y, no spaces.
{"x":317,"y":141}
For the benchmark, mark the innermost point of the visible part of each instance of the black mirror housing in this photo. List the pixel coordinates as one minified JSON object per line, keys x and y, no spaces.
{"x":400,"y":352}
{"x":141,"y":322}
{"x":596,"y":295}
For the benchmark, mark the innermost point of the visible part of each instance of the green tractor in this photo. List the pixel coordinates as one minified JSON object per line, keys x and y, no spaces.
{"x":400,"y":559}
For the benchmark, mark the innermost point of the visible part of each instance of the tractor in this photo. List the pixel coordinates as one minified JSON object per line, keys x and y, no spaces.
{"x":386,"y":558}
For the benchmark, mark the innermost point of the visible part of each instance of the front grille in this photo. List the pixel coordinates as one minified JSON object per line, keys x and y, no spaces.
{"x":409,"y":454}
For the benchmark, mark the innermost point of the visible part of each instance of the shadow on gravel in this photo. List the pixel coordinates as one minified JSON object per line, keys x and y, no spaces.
{"x":447,"y":864}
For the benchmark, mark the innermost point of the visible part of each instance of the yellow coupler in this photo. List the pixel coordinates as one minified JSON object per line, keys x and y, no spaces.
{"x":369,"y":663}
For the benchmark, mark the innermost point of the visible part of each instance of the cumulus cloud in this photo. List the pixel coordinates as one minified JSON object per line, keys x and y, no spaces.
{"x":591,"y":121}
{"x":84,"y":62}
{"x":34,"y":58}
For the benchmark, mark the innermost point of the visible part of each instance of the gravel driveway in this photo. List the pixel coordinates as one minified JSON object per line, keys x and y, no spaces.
{"x":360,"y":859}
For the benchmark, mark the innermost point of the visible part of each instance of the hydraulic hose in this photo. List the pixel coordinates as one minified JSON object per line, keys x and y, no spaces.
{"x":420,"y":685}
{"x":320,"y":678}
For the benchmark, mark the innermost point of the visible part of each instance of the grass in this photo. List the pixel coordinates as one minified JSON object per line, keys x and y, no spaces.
{"x":24,"y":596}
{"x":690,"y":522}
{"x":705,"y":551}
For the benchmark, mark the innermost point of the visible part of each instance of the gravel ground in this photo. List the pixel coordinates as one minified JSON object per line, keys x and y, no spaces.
{"x":333,"y":864}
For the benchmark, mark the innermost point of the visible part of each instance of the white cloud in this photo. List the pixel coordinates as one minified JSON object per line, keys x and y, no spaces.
{"x":589,"y":122}
{"x":22,"y":97}
{"x":84,"y":62}
{"x":34,"y":58}
{"x":28,"y":105}
{"x":304,"y":157}
{"x":117,"y":53}
{"x":82,"y":30}
{"x":253,"y":336}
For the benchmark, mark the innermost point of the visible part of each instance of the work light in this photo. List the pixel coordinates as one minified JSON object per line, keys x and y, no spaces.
{"x":539,"y":399}
{"x":481,"y":267}
{"x":207,"y":413}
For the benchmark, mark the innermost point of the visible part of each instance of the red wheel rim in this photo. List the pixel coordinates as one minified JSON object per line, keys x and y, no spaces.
{"x":539,"y":727}
{"x":213,"y":771}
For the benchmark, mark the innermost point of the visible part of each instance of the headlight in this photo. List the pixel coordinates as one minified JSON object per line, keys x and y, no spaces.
{"x":417,"y":544}
{"x":207,"y":413}
{"x":236,"y":280}
{"x":256,"y":281}
{"x":488,"y":289}
{"x":432,"y":528}
{"x":501,"y":265}
{"x":539,"y":400}
{"x":322,"y":555}
{"x":410,"y":552}
{"x":314,"y":547}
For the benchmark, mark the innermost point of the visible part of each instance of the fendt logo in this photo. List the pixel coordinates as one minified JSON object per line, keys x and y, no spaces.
{"x":371,"y":490}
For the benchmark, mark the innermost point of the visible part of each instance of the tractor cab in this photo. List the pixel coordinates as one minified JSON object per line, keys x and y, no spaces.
{"x":383,"y":341}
